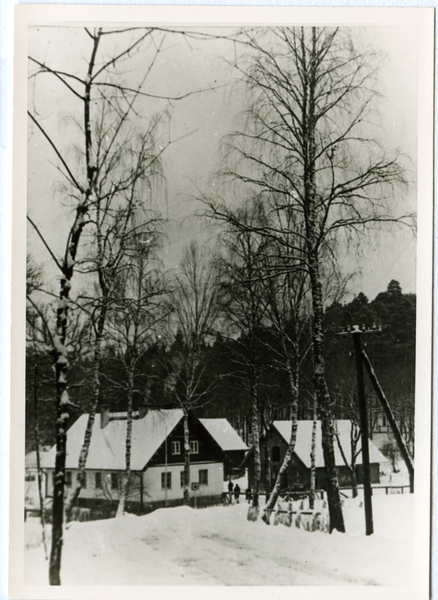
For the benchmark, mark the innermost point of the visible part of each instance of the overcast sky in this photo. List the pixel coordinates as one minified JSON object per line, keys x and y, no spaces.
{"x":191,"y":162}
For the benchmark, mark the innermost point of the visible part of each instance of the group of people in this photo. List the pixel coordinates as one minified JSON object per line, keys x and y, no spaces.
{"x":234,"y":489}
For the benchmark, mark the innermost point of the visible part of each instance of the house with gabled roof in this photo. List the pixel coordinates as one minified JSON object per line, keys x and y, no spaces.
{"x":233,"y":447}
{"x":157,"y":458}
{"x":274,"y":444}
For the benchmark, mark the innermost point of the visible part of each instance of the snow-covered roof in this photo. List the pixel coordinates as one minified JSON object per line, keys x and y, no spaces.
{"x":224,"y":434}
{"x":107,"y":446}
{"x":31,"y":459}
{"x":304,"y":440}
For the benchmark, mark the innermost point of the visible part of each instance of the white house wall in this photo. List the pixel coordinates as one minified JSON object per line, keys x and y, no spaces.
{"x":153,"y":491}
{"x":91,"y":491}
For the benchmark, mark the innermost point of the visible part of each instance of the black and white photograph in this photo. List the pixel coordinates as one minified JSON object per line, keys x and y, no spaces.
{"x":222,"y":248}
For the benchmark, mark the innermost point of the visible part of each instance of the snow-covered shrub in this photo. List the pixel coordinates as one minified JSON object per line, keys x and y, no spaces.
{"x":289,"y":516}
{"x":320,"y":522}
{"x":316,"y":520}
{"x":80,"y":514}
{"x":297,"y":521}
{"x":281,"y":515}
{"x":253,"y":513}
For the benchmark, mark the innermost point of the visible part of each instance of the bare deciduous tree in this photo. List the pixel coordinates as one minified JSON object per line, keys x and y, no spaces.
{"x":107,"y":102}
{"x":244,"y":311}
{"x":193,"y":305}
{"x":122,"y":199}
{"x":308,"y":137}
{"x":286,"y":290}
{"x":135,"y":319}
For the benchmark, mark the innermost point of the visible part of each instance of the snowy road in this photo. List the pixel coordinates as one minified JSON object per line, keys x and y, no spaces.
{"x":218,"y":546}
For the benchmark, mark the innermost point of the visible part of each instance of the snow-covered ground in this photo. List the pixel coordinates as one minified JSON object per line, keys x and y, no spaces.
{"x":218,"y":546}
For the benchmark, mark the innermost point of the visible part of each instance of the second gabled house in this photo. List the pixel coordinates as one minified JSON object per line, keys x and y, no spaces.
{"x":273,"y":446}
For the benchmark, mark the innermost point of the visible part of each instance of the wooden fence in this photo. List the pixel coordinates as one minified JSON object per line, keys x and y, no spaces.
{"x":379,"y":487}
{"x":301,"y":495}
{"x":266,"y":495}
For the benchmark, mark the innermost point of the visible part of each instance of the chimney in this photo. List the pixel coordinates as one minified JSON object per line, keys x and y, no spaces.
{"x":104,"y":416}
{"x":142,"y":411}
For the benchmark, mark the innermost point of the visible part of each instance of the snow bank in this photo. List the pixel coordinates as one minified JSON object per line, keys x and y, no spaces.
{"x":218,"y":546}
{"x":33,"y":533}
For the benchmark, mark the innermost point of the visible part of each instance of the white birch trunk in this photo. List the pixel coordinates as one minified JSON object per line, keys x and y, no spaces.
{"x":186,"y":458}
{"x":293,"y":381}
{"x":253,"y":511}
{"x":312,"y":458}
{"x":127,"y":474}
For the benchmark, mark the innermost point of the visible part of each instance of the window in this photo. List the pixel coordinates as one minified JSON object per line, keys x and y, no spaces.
{"x":84,"y":481}
{"x":114,"y":481}
{"x":98,"y":480}
{"x":181,"y":479}
{"x":276,"y":453}
{"x":194,"y":447}
{"x":203,"y":477}
{"x":166,"y":481}
{"x":176,"y":448}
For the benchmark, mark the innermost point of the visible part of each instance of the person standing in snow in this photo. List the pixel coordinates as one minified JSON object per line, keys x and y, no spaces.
{"x":237,"y":492}
{"x":230,"y":490}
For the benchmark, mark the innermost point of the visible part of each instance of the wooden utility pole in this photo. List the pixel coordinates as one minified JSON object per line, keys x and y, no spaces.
{"x":362,"y":357}
{"x":390,"y":416}
{"x":366,"y":470}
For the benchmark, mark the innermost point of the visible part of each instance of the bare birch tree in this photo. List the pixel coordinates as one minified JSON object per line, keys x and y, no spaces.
{"x":308,"y":137}
{"x":313,"y":456}
{"x":193,"y":304}
{"x":244,"y":310}
{"x":134,"y":324}
{"x":286,"y":290}
{"x":106,"y":101}
{"x":122,"y":197}
{"x":354,"y":453}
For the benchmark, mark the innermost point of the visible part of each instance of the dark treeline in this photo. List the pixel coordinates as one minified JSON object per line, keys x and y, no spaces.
{"x":391,"y":350}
